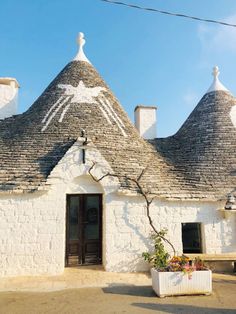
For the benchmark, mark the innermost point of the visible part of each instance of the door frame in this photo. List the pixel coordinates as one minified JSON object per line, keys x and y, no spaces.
{"x":81,"y":233}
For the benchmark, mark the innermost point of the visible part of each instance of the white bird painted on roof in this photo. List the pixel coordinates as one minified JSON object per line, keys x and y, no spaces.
{"x":82,"y":95}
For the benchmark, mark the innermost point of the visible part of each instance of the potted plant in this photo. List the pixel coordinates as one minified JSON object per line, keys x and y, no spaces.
{"x":177,"y":275}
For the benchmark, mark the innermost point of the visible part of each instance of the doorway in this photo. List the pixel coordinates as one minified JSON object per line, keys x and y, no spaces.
{"x":84,"y":229}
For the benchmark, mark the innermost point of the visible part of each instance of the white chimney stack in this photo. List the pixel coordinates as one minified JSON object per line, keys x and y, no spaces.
{"x":145,"y":121}
{"x":8,"y":97}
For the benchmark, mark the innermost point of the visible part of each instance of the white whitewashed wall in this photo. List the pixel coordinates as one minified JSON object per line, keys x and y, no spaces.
{"x":8,"y":99}
{"x":32,"y":226}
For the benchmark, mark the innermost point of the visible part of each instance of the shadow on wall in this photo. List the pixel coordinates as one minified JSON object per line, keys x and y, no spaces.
{"x":183,"y":309}
{"x":136,"y":262}
{"x":226,"y":247}
{"x":150,"y":132}
{"x":135,"y":227}
{"x":228,"y":239}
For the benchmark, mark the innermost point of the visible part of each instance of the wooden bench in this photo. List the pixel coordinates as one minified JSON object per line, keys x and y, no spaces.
{"x":221,"y":257}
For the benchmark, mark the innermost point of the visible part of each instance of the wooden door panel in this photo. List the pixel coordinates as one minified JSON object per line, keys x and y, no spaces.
{"x":73,"y":248}
{"x":92,"y":253}
{"x":92,"y":229}
{"x":84,"y":229}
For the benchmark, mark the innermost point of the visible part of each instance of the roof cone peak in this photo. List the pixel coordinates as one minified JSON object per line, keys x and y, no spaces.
{"x":216,"y":84}
{"x":80,"y":55}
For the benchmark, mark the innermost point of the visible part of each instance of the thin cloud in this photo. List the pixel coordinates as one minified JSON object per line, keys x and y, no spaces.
{"x":191,"y":98}
{"x":218,"y":39}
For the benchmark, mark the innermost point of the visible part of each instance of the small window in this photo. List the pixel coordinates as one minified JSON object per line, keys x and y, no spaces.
{"x":191,"y":237}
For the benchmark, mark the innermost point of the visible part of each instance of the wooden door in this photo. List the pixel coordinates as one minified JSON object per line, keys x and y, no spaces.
{"x":84,"y":229}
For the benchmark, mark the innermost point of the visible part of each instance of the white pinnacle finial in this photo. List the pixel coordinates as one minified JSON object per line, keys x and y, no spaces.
{"x":216,"y":72}
{"x":216,"y":84}
{"x":80,"y":55}
{"x":81,"y":40}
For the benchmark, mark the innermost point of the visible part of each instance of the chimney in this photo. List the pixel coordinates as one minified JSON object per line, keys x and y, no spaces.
{"x":8,"y":97}
{"x":145,"y":121}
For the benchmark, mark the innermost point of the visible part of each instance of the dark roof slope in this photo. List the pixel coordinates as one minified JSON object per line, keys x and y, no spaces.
{"x":204,"y":149}
{"x":31,"y":144}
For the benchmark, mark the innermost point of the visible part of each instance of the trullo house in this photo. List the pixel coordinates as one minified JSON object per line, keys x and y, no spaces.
{"x":53,"y":214}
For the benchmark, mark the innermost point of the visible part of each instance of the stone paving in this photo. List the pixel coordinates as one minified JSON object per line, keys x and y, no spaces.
{"x":73,"y":278}
{"x":86,"y":291}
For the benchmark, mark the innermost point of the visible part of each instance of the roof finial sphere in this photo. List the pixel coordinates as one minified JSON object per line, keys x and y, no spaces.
{"x":216,"y":71}
{"x":80,"y":39}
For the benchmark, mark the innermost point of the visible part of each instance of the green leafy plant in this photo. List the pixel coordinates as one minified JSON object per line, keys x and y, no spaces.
{"x":161,"y":261}
{"x":159,"y":257}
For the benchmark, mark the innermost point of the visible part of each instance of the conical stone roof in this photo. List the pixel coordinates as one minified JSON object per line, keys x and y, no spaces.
{"x":204,"y":149}
{"x":31,"y":144}
{"x":198,"y":162}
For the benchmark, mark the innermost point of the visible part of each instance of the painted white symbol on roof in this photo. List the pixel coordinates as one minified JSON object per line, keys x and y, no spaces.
{"x":81,"y":95}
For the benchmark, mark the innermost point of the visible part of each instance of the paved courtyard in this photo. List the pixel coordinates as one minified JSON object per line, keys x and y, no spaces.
{"x":112,"y":293}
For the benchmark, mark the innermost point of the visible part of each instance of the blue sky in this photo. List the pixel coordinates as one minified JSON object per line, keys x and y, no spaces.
{"x":145,"y":58}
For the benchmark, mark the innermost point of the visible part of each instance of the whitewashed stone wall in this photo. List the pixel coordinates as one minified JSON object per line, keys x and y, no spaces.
{"x":32,"y":226}
{"x":145,"y":121}
{"x":8,"y":98}
{"x":127,"y":217}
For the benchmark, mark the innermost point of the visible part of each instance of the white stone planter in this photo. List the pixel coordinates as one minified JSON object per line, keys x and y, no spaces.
{"x":177,"y":283}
